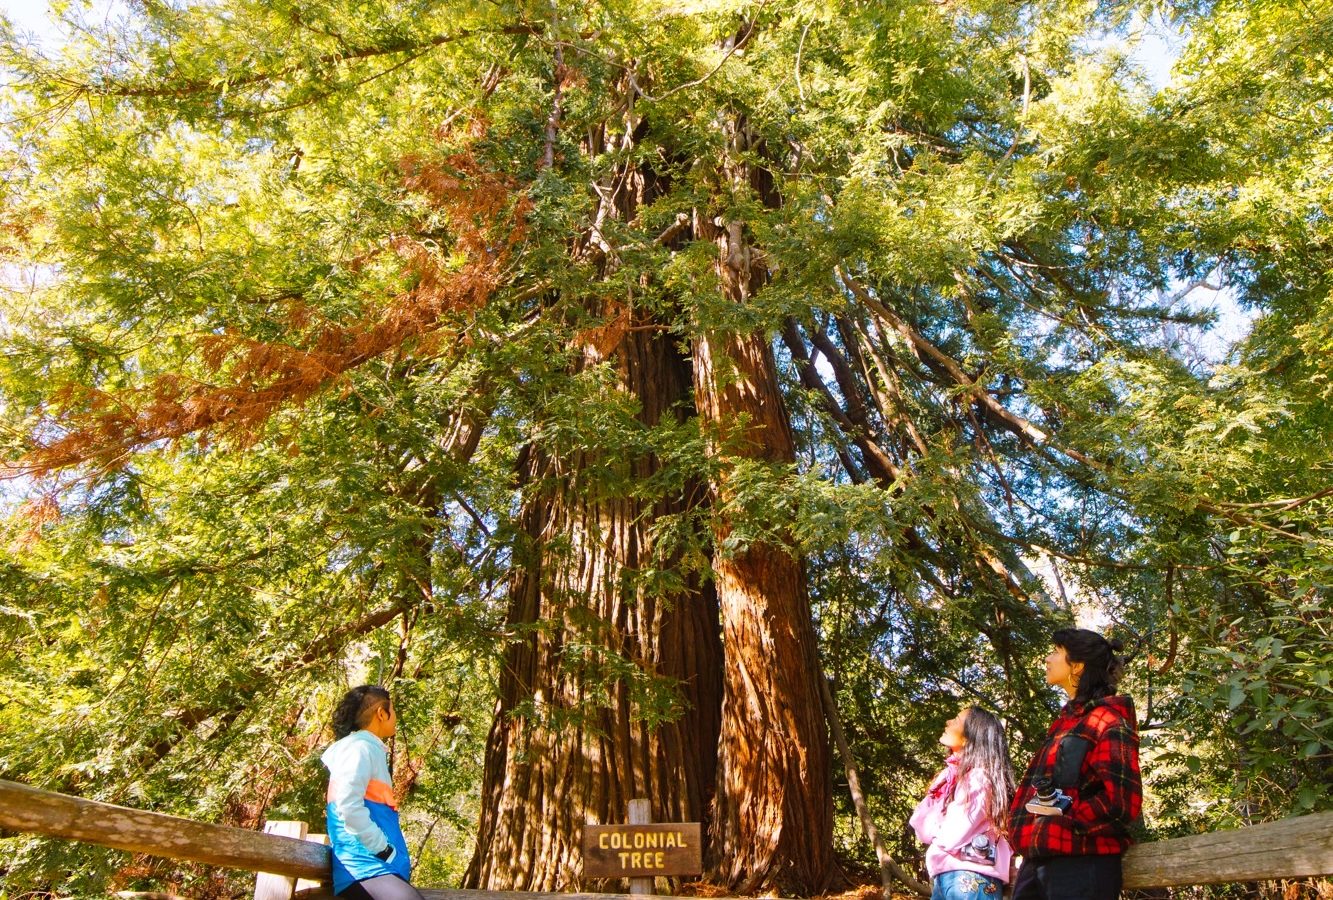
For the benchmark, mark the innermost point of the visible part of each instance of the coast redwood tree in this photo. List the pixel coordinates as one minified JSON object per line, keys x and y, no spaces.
{"x":565,"y":747}
{"x":610,"y":685}
{"x":773,"y":818}
{"x":602,"y":376}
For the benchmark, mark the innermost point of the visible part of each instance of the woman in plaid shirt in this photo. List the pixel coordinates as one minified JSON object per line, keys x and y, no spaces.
{"x":1071,"y":847}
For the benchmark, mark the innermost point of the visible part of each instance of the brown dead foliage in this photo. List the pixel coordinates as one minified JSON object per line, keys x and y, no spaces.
{"x":34,"y":515}
{"x":598,"y":341}
{"x":867,"y":892}
{"x":857,"y":892}
{"x":701,"y":889}
{"x":486,"y":220}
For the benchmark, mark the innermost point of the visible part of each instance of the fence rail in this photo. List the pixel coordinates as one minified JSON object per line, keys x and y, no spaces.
{"x":1300,"y":847}
{"x":24,"y":808}
{"x":1291,"y":848}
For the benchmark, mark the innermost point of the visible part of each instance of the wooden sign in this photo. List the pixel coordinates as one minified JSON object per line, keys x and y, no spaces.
{"x":621,"y":851}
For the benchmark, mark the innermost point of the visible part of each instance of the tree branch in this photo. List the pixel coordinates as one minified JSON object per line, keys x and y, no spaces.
{"x":888,"y":868}
{"x":211,"y":87}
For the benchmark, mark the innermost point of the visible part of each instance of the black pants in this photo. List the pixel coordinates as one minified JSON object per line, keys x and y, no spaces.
{"x":1068,"y":878}
{"x":381,"y":887}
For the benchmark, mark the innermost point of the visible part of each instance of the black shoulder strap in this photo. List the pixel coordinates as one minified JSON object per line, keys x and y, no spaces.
{"x":1069,"y":760}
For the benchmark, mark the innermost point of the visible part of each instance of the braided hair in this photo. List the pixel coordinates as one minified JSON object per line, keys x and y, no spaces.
{"x":356,"y":708}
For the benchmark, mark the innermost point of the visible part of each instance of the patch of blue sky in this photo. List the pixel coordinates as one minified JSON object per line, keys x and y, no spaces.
{"x":1205,"y":347}
{"x":30,"y":18}
{"x":33,"y":21}
{"x":1154,"y":46}
{"x":1151,"y":45}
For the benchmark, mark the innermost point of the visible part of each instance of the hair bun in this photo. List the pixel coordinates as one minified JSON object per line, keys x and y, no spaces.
{"x":1117,"y":645}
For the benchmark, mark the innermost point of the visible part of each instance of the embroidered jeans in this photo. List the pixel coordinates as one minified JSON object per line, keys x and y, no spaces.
{"x":960,"y":885}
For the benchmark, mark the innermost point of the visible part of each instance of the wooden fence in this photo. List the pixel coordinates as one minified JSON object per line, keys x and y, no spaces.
{"x":1291,"y":848}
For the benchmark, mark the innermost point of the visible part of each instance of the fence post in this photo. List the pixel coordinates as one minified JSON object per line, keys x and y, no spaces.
{"x":306,"y":884}
{"x":279,"y":887}
{"x":640,"y":812}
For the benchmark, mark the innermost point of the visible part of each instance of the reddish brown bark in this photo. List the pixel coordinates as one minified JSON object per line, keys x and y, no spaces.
{"x":772,"y":822}
{"x":568,"y":746}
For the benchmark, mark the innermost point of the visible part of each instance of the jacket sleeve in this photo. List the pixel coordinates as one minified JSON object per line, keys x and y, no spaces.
{"x":1114,"y":761}
{"x":347,"y":792}
{"x":923,"y":820}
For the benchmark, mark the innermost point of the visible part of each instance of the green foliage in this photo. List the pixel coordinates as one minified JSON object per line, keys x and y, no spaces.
{"x":986,"y":240}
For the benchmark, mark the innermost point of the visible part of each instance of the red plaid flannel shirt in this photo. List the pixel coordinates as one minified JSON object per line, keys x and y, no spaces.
{"x":1108,"y":795}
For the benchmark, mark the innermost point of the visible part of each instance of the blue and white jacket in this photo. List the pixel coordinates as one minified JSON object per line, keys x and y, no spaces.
{"x":362,"y":812}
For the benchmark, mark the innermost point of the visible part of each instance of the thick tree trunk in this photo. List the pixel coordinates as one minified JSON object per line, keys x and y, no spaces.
{"x":773,"y":817}
{"x":573,"y":741}
{"x":569,"y":744}
{"x":772,"y":823}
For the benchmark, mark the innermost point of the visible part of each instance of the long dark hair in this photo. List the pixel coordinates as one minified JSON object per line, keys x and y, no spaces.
{"x":1102,"y":666}
{"x":986,"y":751}
{"x":356,"y":707}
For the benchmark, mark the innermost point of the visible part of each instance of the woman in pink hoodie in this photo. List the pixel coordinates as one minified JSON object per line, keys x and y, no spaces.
{"x":964,"y":812}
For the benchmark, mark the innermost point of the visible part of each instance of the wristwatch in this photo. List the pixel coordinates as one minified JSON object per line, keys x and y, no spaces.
{"x":386,"y":854}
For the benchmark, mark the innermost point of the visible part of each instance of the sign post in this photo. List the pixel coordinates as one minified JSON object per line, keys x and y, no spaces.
{"x":640,"y":812}
{"x":641,"y":850}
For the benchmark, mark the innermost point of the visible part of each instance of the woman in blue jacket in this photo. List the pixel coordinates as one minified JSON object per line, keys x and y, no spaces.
{"x":369,"y":853}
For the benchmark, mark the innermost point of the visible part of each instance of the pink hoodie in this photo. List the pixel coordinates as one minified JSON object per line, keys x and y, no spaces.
{"x":949,"y":827}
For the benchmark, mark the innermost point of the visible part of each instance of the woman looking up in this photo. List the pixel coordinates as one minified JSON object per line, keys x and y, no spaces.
{"x":962,"y":816}
{"x":369,"y":853}
{"x":1072,"y":841}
